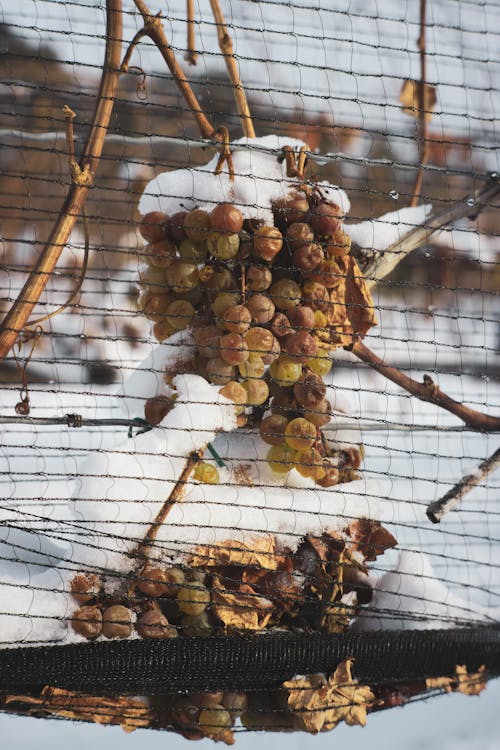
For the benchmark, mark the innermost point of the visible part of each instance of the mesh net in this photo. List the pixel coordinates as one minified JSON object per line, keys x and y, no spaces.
{"x":249,"y":383}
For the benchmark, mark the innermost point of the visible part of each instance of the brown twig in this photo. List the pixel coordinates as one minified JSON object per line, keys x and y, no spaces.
{"x":177,"y":490}
{"x":226,"y":47}
{"x":438,"y":509}
{"x":191,"y":55}
{"x":427,"y":391}
{"x":153,"y":28}
{"x":82,"y":180}
{"x":422,"y":114}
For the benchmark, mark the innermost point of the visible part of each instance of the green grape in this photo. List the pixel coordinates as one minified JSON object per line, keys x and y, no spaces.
{"x":285,"y":293}
{"x":281,"y":458}
{"x":197,"y":225}
{"x":206,"y":473}
{"x":252,"y":368}
{"x":285,"y":371}
{"x":300,"y":434}
{"x":193,"y":600}
{"x":223,"y":246}
{"x":321,"y":364}
{"x":192,"y":251}
{"x":181,"y":276}
{"x":179,"y":314}
{"x":257,"y":391}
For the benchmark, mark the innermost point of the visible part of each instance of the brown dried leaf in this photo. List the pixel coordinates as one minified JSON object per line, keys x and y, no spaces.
{"x":462,"y":682}
{"x":409,"y":97}
{"x":259,"y":553}
{"x":370,"y":538}
{"x":243,"y":609}
{"x":360,"y":310}
{"x":320,"y":704}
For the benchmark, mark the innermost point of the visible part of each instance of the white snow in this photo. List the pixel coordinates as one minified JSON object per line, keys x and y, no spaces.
{"x":379,"y":234}
{"x":260,"y":179}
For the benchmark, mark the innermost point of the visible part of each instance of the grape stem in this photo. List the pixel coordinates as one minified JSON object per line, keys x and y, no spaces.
{"x":82,"y":178}
{"x":427,"y":391}
{"x":423,"y":151}
{"x":226,"y":47}
{"x":438,"y":509}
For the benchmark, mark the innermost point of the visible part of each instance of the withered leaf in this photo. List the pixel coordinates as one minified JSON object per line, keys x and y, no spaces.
{"x":129,"y":713}
{"x":461,"y":681}
{"x":243,"y":608}
{"x":370,"y":538}
{"x":259,"y":553}
{"x":320,"y":704}
{"x":409,"y":97}
{"x":360,"y":309}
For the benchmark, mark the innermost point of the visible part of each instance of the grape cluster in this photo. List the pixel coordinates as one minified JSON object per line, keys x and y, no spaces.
{"x":265,"y":306}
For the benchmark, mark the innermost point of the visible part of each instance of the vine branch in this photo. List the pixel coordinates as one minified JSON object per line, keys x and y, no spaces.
{"x":82,"y":175}
{"x":438,"y":509}
{"x":191,"y":54}
{"x":226,"y":47}
{"x":153,"y":27}
{"x":427,"y":391}
{"x":423,"y":120}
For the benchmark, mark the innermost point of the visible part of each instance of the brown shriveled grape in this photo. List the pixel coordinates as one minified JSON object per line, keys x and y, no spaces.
{"x":272,"y":355}
{"x":301,"y":317}
{"x":174,"y":577}
{"x":261,"y":308}
{"x":237,"y":319}
{"x":193,"y":599}
{"x":298,"y":234}
{"x":163,"y":330}
{"x":331,"y":477}
{"x":339,"y":245}
{"x":153,"y":226}
{"x":285,"y":294}
{"x":235,"y":702}
{"x":197,"y":225}
{"x":325,"y":218}
{"x":117,"y":622}
{"x":284,"y":404}
{"x":267,"y":242}
{"x":226,"y":218}
{"x":300,"y":345}
{"x":300,"y":434}
{"x":310,"y":464}
{"x":181,"y":276}
{"x":207,"y":340}
{"x":258,"y":278}
{"x":328,"y":273}
{"x":308,"y":257}
{"x":87,"y":621}
{"x":233,"y":348}
{"x":291,"y":209}
{"x":259,"y":341}
{"x":257,"y":391}
{"x":156,"y":409}
{"x":235,"y":392}
{"x":153,"y":624}
{"x":280,"y":325}
{"x":85,"y":586}
{"x":176,"y":230}
{"x":272,"y":429}
{"x":179,"y":314}
{"x":246,"y":247}
{"x":316,"y":295}
{"x":160,"y":254}
{"x":219,"y":372}
{"x":310,"y":390}
{"x":321,"y":414}
{"x":152,"y":580}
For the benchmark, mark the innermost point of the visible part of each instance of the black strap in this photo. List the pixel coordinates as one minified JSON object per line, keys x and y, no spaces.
{"x":246,"y":662}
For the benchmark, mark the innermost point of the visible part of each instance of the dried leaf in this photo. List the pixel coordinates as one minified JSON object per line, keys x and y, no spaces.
{"x":462,"y":682}
{"x":320,"y":704}
{"x":243,"y":609}
{"x":360,"y":310}
{"x":259,"y":553}
{"x":370,"y":538}
{"x":410,"y":98}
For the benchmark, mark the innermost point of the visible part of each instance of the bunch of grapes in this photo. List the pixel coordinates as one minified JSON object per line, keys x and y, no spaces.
{"x":265,"y":306}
